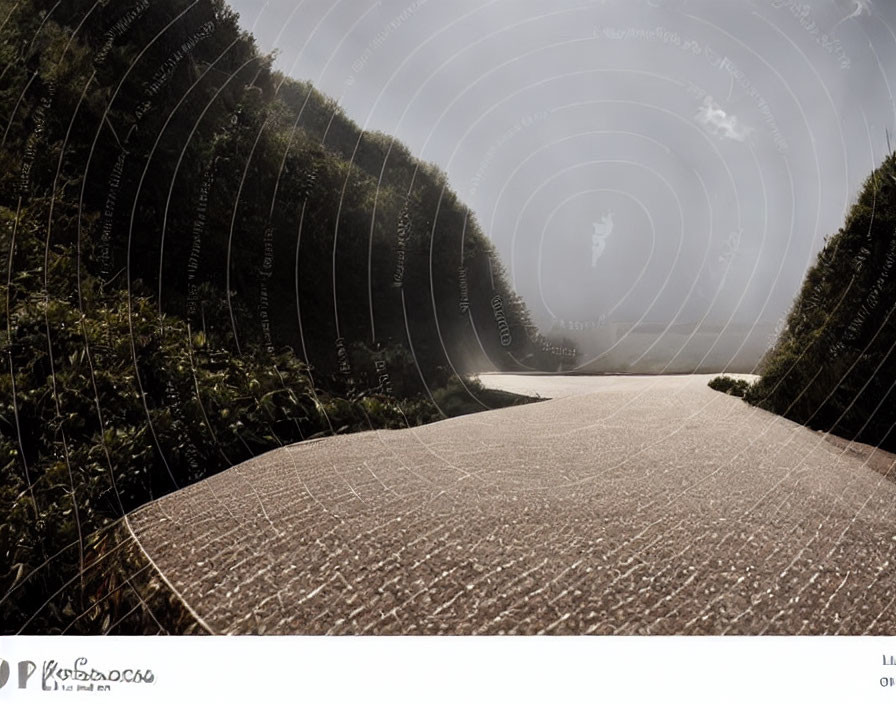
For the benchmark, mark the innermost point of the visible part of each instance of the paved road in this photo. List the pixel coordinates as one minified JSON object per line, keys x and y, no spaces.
{"x":650,"y":505}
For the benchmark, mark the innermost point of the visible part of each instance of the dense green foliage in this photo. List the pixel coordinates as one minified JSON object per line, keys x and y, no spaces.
{"x":205,"y":261}
{"x":729,"y":385}
{"x":833,"y":367}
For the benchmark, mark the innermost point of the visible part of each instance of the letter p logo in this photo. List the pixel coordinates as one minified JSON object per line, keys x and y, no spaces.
{"x":26,"y":669}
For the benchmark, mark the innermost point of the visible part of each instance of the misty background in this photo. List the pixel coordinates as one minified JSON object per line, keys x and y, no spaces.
{"x":657,"y":175}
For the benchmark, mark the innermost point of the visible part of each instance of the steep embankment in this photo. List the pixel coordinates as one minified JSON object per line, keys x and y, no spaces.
{"x":833,"y":367}
{"x":205,"y":261}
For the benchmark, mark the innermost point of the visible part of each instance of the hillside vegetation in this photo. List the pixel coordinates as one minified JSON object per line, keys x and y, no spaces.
{"x":205,"y":261}
{"x":833,"y":367}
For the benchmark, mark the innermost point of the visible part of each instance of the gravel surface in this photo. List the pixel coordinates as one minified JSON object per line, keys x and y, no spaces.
{"x":648,"y":505}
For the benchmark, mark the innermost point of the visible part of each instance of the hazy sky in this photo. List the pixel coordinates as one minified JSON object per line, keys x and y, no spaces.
{"x":653,"y":160}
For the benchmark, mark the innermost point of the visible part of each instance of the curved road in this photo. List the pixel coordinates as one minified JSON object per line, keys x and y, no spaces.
{"x":630,"y":505}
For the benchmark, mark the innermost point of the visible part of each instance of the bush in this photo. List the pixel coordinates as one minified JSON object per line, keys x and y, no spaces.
{"x":730,"y":385}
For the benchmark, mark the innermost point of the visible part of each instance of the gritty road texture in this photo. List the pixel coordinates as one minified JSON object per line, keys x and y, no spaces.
{"x":649,"y":505}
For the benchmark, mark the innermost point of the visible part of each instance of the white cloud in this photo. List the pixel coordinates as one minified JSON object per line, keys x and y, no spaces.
{"x":711,"y":116}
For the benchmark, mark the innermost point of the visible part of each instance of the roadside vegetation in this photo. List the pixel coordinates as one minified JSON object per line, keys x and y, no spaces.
{"x":833,"y":366}
{"x":204,"y":261}
{"x":729,"y":385}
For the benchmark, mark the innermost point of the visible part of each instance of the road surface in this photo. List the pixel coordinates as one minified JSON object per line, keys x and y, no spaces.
{"x":626,"y":505}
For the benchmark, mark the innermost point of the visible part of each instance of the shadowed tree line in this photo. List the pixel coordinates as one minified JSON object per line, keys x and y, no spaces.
{"x":205,"y":260}
{"x":833,"y":366}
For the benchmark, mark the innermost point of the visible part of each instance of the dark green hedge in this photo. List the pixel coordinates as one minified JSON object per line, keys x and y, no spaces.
{"x":833,"y":367}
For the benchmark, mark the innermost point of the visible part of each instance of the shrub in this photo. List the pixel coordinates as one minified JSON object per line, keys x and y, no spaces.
{"x":730,"y":385}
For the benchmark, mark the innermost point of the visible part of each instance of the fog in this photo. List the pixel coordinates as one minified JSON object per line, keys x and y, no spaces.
{"x":657,"y":175}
